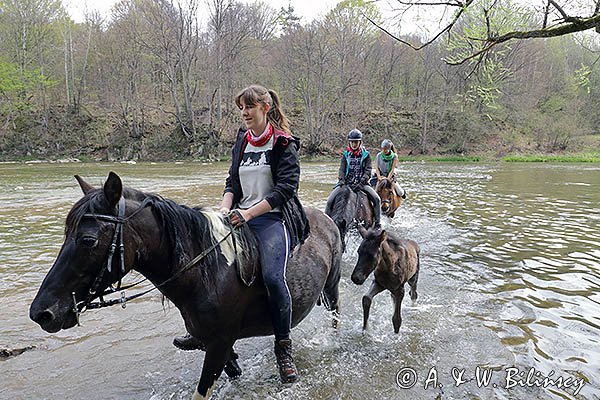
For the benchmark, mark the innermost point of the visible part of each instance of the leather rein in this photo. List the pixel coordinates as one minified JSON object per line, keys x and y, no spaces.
{"x":118,"y":246}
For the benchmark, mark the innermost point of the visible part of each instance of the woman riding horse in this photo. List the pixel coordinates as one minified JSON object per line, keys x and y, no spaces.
{"x":193,"y":257}
{"x":385,"y":167}
{"x":261,"y":190}
{"x":355,"y":170}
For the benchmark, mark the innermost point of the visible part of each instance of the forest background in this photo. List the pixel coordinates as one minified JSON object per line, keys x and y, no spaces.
{"x":152,"y":81}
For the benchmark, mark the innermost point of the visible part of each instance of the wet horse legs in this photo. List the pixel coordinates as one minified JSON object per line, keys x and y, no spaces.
{"x":367,"y":299}
{"x":397,"y":295}
{"x":217,"y":353}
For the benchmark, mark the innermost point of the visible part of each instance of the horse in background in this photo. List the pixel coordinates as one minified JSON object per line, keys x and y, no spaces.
{"x":394,"y":262}
{"x":350,"y":208}
{"x":191,"y":256}
{"x":390,"y":200}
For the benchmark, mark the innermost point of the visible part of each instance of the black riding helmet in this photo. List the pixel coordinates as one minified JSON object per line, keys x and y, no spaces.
{"x":355,"y":134}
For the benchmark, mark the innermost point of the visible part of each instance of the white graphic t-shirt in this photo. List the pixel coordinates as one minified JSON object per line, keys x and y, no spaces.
{"x":255,"y":174}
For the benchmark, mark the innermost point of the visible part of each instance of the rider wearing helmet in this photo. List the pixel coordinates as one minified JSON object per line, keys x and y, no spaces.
{"x":355,"y":171}
{"x":385,"y":166}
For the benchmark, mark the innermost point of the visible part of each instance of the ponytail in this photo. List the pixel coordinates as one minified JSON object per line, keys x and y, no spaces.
{"x":276,"y":116}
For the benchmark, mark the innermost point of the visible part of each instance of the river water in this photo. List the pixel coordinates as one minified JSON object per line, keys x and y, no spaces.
{"x":510,"y":278}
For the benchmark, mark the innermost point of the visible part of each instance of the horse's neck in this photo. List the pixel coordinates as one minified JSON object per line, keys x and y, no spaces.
{"x":387,"y":261}
{"x":159,"y":265}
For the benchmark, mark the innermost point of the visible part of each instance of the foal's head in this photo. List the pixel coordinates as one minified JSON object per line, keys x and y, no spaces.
{"x":369,"y":253}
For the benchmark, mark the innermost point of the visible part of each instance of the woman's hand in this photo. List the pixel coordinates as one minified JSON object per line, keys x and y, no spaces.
{"x":224,"y":210}
{"x":234,"y":217}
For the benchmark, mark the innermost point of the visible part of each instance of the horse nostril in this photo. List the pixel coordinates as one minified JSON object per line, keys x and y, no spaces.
{"x":44,"y":317}
{"x":357,"y":280}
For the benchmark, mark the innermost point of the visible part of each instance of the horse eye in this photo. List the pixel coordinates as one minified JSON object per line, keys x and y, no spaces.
{"x":89,"y":241}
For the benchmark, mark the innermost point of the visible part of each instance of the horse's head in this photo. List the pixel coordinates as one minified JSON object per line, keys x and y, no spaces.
{"x":85,"y":265}
{"x":369,"y":253}
{"x":385,"y":190}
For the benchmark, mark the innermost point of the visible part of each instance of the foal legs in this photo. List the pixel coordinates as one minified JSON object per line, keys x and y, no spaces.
{"x":412,"y":282}
{"x":397,"y":318}
{"x":367,"y":299}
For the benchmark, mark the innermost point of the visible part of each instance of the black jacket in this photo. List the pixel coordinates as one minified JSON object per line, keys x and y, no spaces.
{"x":285,"y":169}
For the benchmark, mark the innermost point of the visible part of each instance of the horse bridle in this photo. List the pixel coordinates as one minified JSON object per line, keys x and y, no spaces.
{"x":117,"y":244}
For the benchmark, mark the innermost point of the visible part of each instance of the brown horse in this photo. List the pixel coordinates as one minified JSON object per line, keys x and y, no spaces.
{"x":112,"y":230}
{"x":351,"y":208}
{"x":390,"y":200}
{"x":395,"y":261}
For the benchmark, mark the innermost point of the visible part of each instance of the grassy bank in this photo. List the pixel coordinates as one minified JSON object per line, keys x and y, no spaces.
{"x":441,"y":158}
{"x":566,"y":158}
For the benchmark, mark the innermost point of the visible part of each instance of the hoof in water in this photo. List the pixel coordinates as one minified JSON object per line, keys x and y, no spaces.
{"x":232,"y":369}
{"x":198,"y":396}
{"x":335,"y":319}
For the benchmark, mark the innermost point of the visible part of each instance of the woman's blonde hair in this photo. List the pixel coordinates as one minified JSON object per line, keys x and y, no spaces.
{"x":256,"y":94}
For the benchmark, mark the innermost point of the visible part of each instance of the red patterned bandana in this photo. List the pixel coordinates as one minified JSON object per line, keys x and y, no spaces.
{"x":355,"y":153}
{"x":262,"y":139}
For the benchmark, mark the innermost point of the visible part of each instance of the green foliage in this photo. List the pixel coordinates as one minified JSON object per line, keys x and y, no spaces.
{"x":140,"y":77}
{"x":477,"y":24}
{"x":16,"y":84}
{"x":582,"y":75}
{"x":581,"y":158}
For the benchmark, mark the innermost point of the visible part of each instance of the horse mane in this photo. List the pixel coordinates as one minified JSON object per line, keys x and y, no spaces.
{"x":392,"y":238}
{"x":341,"y":204}
{"x":185,"y":228}
{"x":384,"y":183}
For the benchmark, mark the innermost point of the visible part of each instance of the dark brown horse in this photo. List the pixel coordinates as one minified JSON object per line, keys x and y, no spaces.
{"x":351,"y":208}
{"x":395,"y":262}
{"x":390,"y":200}
{"x":112,"y":230}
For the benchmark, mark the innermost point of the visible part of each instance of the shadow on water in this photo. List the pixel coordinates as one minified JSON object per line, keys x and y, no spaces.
{"x":510,"y":277}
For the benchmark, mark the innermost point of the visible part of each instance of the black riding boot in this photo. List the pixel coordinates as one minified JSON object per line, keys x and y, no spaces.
{"x":188,"y":342}
{"x":377,"y":216}
{"x":287,"y":368}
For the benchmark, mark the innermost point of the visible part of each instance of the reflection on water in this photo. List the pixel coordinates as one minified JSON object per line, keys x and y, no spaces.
{"x":510,"y":277}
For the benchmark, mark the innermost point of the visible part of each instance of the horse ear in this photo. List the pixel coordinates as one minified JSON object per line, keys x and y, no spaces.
{"x":362,"y":231}
{"x":85,"y":187}
{"x":382,"y":236}
{"x":113,"y":189}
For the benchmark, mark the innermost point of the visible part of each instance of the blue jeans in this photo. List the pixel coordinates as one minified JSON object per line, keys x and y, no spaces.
{"x":274,"y":243}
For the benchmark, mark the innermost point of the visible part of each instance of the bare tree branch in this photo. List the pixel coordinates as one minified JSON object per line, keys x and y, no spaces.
{"x":455,"y":3}
{"x":546,"y":12}
{"x":580,"y":24}
{"x":562,"y":12}
{"x":446,"y":29}
{"x":567,"y":24}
